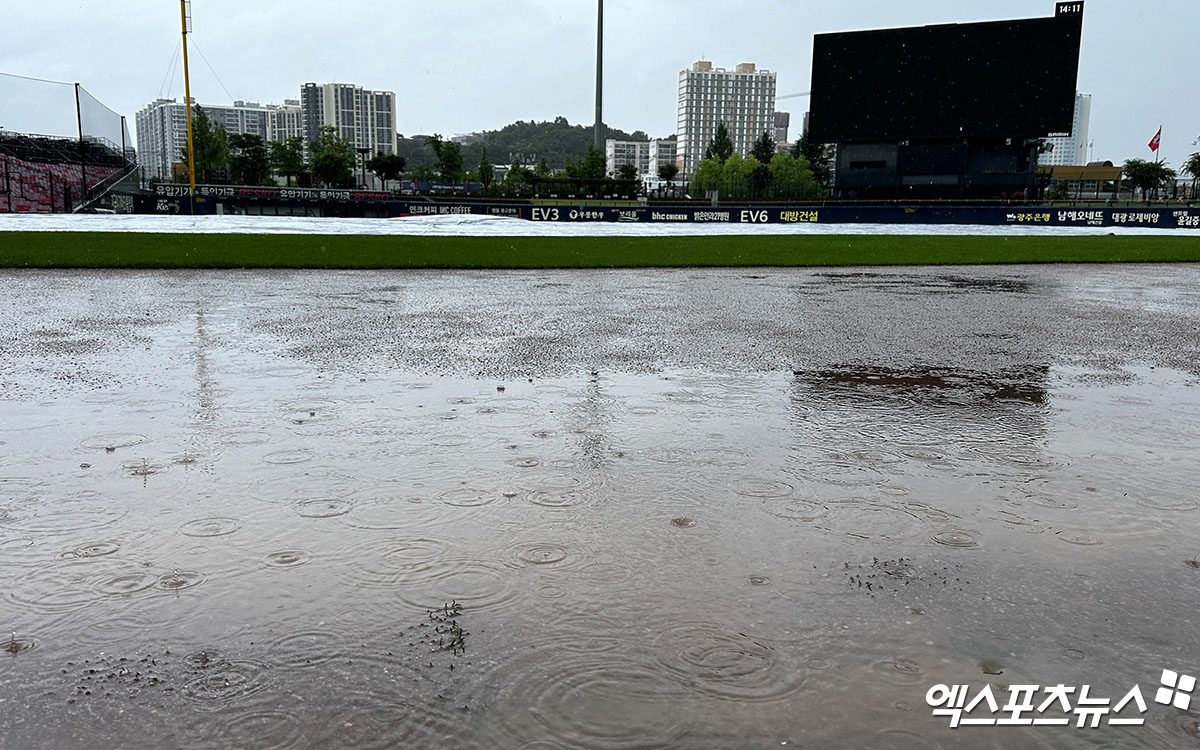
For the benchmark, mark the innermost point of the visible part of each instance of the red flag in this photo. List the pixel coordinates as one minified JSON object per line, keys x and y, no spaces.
{"x":1154,"y":141}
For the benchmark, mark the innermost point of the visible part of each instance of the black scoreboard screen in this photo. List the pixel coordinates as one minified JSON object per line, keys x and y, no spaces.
{"x":994,"y":79}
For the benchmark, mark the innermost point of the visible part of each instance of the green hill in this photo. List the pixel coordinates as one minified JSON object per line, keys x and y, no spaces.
{"x":524,"y":142}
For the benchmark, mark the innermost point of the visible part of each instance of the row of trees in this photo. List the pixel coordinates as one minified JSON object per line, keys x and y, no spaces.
{"x":803,"y":172}
{"x":1192,"y":167}
{"x":585,"y":177}
{"x":331,"y":160}
{"x":764,"y":172}
{"x":521,"y":142}
{"x":247,"y":159}
{"x":1148,"y":176}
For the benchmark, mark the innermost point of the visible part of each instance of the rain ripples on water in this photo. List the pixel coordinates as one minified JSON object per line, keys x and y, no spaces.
{"x":605,"y":509}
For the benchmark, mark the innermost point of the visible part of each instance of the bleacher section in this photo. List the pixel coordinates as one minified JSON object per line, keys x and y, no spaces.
{"x":45,"y":174}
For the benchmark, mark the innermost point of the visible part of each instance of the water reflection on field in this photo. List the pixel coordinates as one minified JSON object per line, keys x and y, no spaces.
{"x":629,"y":509}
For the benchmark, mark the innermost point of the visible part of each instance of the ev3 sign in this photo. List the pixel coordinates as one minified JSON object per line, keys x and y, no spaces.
{"x":1055,"y":705}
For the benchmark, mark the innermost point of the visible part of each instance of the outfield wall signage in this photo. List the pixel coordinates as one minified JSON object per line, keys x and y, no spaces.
{"x":167,"y":199}
{"x":271,"y":193}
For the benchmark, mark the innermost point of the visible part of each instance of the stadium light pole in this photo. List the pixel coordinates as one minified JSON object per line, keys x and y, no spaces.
{"x":187,"y":105}
{"x":599,"y":134}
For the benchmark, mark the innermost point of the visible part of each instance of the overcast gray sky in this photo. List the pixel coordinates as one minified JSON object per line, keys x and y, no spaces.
{"x":466,"y":65}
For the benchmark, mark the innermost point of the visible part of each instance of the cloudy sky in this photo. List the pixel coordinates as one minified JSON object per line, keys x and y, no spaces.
{"x":466,"y":65}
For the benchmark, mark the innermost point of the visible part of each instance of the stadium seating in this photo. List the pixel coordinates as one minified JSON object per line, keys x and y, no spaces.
{"x":44,"y":175}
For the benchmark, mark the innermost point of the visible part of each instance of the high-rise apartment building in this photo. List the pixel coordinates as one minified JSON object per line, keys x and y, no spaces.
{"x":782,"y":121}
{"x":743,"y":99}
{"x":286,"y":121}
{"x":162,"y":130}
{"x":1072,"y":150}
{"x":366,"y":118}
{"x":249,"y":118}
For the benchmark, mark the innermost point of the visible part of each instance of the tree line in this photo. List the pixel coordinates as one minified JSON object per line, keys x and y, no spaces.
{"x":1150,"y":176}
{"x":330,"y":160}
{"x":547,"y":158}
{"x":247,"y":159}
{"x":767,"y":173}
{"x":536,"y":150}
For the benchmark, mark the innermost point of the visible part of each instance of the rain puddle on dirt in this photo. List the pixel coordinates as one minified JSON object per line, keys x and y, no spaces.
{"x":650,"y":509}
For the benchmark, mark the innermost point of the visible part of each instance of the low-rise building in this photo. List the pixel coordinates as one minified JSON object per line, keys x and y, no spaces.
{"x":647,"y":156}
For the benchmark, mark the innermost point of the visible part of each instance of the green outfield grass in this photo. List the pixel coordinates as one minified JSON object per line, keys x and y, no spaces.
{"x":138,"y":250}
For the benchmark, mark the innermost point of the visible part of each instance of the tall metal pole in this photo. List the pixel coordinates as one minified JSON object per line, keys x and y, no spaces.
{"x":83,"y":191}
{"x":187,"y":104}
{"x":599,"y":135}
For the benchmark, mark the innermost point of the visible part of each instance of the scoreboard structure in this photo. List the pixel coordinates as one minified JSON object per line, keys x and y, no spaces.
{"x":953,"y":110}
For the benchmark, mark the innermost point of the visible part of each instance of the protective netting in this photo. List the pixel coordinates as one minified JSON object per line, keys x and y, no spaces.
{"x":59,"y":145}
{"x":101,"y":125}
{"x":35,"y":106}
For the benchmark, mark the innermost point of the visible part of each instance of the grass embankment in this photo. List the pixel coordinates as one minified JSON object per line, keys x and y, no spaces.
{"x":137,"y":250}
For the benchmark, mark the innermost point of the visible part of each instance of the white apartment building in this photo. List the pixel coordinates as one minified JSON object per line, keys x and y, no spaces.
{"x":647,"y":156}
{"x":366,"y":118}
{"x":162,"y":130}
{"x":743,"y":99}
{"x":1072,"y":150}
{"x":285,"y":121}
{"x":662,"y":151}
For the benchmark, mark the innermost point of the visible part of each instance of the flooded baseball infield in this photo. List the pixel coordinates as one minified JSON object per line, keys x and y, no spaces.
{"x":600,"y":509}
